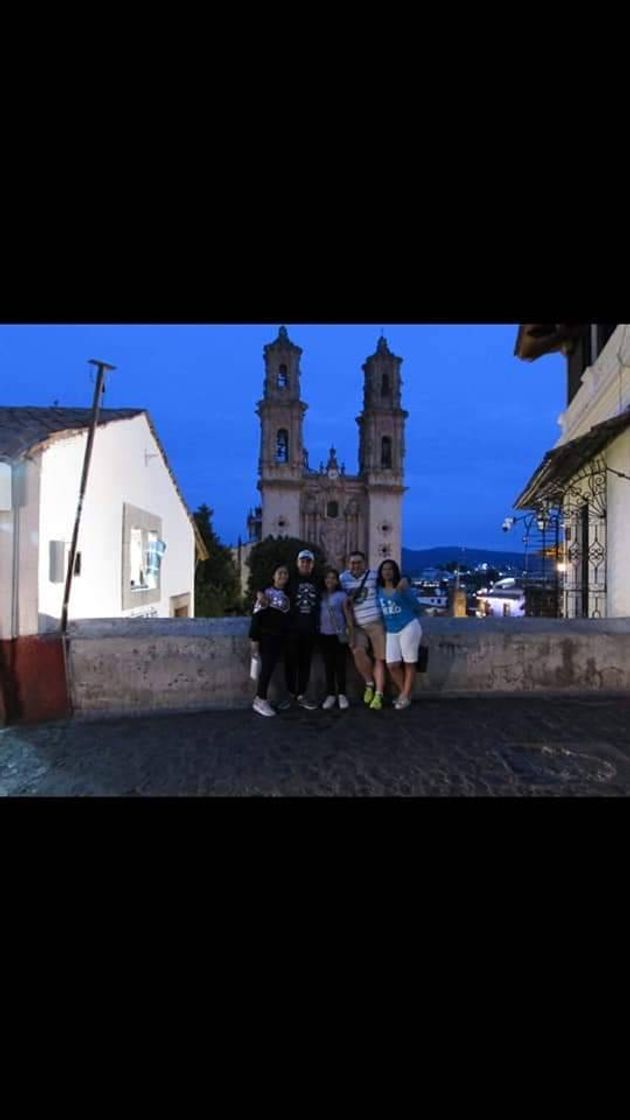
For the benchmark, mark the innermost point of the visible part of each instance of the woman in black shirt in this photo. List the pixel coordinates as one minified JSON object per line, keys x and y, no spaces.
{"x":268,"y":633}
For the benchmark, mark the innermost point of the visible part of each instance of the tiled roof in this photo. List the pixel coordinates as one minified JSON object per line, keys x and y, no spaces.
{"x":560,"y":464}
{"x":24,"y":428}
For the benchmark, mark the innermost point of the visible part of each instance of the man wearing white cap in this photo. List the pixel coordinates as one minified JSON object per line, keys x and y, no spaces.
{"x":305,"y":599}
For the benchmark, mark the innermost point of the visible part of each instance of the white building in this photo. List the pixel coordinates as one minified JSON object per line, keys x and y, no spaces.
{"x":137,"y":542}
{"x":586,"y":477}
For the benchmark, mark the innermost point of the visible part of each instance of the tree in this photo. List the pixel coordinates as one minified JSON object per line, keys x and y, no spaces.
{"x":265,"y":557}
{"x":217,"y":587}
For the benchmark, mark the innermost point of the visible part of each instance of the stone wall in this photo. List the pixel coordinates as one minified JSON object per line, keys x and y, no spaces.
{"x":123,"y":666}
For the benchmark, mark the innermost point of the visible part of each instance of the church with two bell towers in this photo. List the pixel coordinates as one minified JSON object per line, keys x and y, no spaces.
{"x":338,"y":511}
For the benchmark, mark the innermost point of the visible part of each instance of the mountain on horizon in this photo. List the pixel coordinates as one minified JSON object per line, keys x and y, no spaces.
{"x":414,"y":560}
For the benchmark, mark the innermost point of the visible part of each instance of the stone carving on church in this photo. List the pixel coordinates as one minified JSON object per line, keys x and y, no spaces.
{"x":332,"y":539}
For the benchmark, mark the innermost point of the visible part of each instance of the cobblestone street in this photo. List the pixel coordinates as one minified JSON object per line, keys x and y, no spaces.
{"x":439,"y":747}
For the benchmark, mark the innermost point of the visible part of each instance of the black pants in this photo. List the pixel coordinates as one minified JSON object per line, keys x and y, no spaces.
{"x":271,"y":649}
{"x":334,"y":654}
{"x":298,"y":654}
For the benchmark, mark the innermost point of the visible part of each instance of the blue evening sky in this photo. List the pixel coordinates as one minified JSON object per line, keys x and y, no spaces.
{"x":479,"y":419}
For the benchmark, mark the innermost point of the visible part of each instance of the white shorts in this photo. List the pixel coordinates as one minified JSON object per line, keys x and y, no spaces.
{"x":404,"y":646}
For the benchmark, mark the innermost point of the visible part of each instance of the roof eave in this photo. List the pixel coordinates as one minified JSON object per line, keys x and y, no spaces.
{"x":533,"y":340}
{"x":560,"y":464}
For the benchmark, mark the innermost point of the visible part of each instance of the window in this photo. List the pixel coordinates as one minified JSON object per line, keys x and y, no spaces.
{"x":143,"y":552}
{"x":583,"y":352}
{"x":5,"y":487}
{"x":604,"y":331}
{"x":386,"y":452}
{"x":385,"y":390}
{"x":58,"y":557}
{"x":56,"y":561}
{"x":578,"y":359}
{"x":282,"y":446}
{"x":145,"y":557}
{"x":282,"y":379}
{"x":332,"y":509}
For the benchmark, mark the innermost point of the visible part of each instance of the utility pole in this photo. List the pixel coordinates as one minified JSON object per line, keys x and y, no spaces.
{"x":96,"y":406}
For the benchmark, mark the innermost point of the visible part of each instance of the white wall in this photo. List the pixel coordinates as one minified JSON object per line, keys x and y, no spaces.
{"x":604,"y":393}
{"x":126,"y":466}
{"x":618,"y":529}
{"x":605,"y":388}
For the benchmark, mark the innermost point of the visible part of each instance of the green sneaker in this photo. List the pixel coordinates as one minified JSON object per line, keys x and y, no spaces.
{"x":368,"y":695}
{"x":377,"y":702}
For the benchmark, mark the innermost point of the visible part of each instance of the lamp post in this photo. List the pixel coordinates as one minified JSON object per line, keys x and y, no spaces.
{"x":541,"y":523}
{"x":96,"y":405}
{"x":542,"y":518}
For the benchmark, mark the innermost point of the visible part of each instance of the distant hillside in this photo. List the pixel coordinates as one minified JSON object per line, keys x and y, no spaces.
{"x":414,"y":560}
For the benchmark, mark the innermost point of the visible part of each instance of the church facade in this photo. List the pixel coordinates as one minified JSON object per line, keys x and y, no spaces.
{"x":338,"y":511}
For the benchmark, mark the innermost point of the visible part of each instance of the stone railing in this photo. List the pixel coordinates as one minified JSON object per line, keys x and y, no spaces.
{"x":122,"y":666}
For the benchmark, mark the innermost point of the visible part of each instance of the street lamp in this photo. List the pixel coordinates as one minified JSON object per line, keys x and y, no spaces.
{"x":543,"y":519}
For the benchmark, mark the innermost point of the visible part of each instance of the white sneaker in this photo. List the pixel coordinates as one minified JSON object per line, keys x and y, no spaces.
{"x":343,"y":701}
{"x":402,"y":702}
{"x":263,"y":707}
{"x":329,"y":702}
{"x":308,"y":704}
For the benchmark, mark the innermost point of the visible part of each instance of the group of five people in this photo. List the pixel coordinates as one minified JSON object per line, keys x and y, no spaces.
{"x":374,"y":613}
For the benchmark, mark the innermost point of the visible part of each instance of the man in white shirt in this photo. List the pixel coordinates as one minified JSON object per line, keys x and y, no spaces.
{"x":359,"y":583}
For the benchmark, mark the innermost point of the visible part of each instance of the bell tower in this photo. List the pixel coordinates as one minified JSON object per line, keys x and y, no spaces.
{"x":281,"y":462}
{"x":382,"y":453}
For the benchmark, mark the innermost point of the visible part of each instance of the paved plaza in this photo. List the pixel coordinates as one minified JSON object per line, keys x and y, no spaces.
{"x":490,"y":746}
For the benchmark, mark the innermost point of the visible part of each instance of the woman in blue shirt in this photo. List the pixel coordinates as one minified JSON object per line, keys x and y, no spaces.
{"x":400,"y":610}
